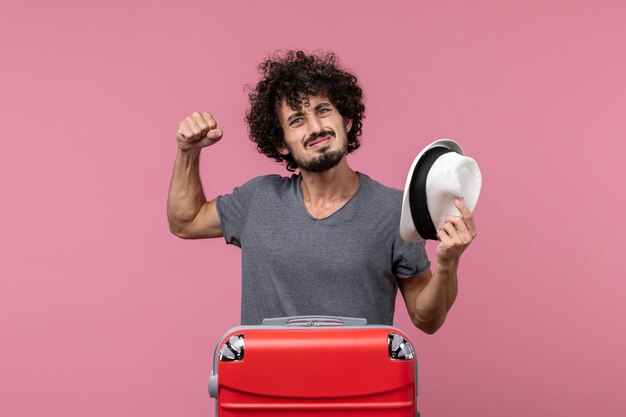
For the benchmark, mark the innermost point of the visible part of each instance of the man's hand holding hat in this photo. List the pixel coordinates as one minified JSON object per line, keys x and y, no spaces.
{"x":456,"y":234}
{"x":440,"y":178}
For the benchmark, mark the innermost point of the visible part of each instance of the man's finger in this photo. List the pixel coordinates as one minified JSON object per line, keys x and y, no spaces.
{"x":191,"y":125}
{"x":457,"y":221}
{"x":468,"y":217}
{"x":451,"y":231}
{"x":460,"y":226}
{"x":209,"y":120}
{"x":184,"y":133}
{"x":202,"y":124}
{"x":444,"y":238}
{"x":215,"y":135}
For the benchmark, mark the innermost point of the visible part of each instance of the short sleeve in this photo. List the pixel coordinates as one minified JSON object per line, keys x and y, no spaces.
{"x":233,"y":209}
{"x":409,"y":259}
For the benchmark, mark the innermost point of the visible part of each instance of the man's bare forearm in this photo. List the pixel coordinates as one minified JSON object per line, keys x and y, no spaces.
{"x":436,"y":298}
{"x":186,"y":197}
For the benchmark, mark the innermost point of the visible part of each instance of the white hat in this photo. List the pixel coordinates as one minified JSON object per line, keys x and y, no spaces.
{"x":439,"y":174}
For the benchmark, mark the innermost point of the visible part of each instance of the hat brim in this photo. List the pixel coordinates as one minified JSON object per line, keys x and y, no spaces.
{"x":408,"y":231}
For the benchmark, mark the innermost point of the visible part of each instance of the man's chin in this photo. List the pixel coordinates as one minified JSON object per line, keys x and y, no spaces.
{"x":322,"y":162}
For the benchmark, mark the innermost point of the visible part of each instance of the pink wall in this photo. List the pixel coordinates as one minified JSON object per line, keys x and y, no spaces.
{"x":104,"y":313}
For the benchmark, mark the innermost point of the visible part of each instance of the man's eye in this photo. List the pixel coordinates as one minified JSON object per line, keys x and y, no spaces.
{"x":295,"y":121}
{"x":323,"y":111}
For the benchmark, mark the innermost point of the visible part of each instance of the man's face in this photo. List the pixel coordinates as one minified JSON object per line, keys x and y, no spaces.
{"x":316,"y":136}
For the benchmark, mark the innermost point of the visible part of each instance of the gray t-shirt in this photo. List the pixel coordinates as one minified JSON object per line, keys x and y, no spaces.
{"x":294,"y":264}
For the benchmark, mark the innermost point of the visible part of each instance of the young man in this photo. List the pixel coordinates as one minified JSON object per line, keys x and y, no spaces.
{"x":326,"y":241}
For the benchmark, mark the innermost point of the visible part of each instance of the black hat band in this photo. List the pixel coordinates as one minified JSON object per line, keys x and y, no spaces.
{"x":417,"y":193}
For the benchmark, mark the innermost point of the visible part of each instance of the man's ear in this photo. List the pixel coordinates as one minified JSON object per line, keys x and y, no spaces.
{"x":282,"y":150}
{"x":348,"y":123}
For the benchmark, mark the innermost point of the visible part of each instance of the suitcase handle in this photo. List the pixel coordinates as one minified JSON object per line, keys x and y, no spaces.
{"x":314,"y":321}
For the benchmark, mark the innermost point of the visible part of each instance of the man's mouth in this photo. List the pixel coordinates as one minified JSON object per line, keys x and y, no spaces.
{"x":319,"y":141}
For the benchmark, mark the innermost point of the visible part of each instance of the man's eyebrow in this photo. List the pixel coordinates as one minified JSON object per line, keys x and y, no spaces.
{"x":324,"y":104}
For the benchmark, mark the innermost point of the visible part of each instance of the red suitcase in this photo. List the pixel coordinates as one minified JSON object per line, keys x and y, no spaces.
{"x":315,"y":367}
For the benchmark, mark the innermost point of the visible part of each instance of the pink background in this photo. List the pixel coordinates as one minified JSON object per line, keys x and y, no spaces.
{"x":104,"y":313}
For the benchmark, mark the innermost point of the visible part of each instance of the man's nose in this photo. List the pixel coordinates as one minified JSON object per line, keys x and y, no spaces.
{"x":315,"y":125}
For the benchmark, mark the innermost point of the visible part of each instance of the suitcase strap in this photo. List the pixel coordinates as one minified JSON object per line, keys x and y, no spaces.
{"x":314,"y":321}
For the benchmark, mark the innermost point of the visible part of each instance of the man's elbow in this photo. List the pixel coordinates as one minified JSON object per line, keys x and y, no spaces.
{"x":178,"y":231}
{"x":428,"y":326}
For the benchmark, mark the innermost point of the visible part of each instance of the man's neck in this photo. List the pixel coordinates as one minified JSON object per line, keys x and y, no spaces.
{"x":326,"y":192}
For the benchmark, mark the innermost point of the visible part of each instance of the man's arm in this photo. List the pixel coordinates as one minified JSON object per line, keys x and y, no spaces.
{"x":189,"y":213}
{"x":429,"y":297}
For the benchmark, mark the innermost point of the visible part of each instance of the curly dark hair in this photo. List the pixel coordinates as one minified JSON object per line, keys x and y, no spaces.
{"x":292,"y":77}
